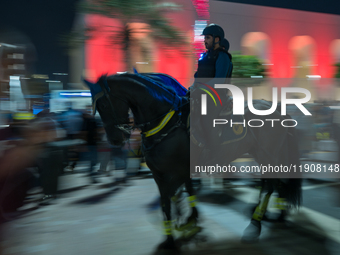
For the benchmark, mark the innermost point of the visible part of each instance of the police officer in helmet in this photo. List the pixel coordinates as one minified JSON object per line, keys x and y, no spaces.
{"x":213,"y":65}
{"x":216,"y":62}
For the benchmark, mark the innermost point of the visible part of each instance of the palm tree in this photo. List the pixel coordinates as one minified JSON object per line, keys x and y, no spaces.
{"x":151,"y":12}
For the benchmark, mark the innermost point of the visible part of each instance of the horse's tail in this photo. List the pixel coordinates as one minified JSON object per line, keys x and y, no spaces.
{"x":293,"y":185}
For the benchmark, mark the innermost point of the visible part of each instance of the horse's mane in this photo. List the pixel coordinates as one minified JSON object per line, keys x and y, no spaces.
{"x":155,"y":83}
{"x":153,"y":79}
{"x":166,"y":81}
{"x":156,"y":88}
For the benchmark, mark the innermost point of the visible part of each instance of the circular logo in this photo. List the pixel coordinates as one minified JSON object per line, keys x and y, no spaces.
{"x":238,"y":129}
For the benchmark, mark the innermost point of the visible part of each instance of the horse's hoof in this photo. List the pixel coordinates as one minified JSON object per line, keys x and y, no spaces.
{"x":281,"y":222}
{"x":189,"y":230}
{"x":190,"y":234}
{"x":190,"y":224}
{"x":168,"y":244}
{"x":197,"y":239}
{"x":252,"y":232}
{"x":282,"y":217}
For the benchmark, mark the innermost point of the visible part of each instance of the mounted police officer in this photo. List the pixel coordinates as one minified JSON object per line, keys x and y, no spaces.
{"x":216,"y":62}
{"x":213,"y":66}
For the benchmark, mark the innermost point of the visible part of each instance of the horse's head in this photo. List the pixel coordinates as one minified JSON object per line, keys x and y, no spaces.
{"x":113,"y":111}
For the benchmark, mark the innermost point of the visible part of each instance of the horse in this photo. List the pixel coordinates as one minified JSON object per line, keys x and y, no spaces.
{"x":268,"y":143}
{"x":162,"y":116}
{"x":159,"y":114}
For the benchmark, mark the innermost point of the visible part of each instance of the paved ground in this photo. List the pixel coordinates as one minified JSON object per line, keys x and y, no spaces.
{"x":112,"y":219}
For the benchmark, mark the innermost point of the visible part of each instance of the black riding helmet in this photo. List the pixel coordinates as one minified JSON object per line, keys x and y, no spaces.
{"x":214,"y":30}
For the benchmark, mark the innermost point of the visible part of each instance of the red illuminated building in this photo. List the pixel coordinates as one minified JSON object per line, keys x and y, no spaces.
{"x":291,"y":43}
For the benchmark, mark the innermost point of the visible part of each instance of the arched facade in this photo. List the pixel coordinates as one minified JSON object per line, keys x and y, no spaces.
{"x":302,"y":50}
{"x":256,"y":44}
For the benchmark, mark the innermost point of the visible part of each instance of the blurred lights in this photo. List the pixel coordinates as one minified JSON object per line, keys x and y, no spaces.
{"x":202,"y":8}
{"x":198,"y":39}
{"x":40,"y":76}
{"x":9,"y":45}
{"x":198,"y":29}
{"x":16,"y":56}
{"x":16,"y":67}
{"x":313,"y":77}
{"x":51,"y":81}
{"x":75,"y":94}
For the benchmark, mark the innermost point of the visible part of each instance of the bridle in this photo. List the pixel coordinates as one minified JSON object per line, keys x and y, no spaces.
{"x":125,"y":128}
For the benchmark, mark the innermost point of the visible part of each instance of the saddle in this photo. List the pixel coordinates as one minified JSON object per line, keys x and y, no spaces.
{"x":166,"y":80}
{"x":221,"y":134}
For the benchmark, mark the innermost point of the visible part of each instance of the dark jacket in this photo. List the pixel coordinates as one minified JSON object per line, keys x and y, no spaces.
{"x":215,"y":64}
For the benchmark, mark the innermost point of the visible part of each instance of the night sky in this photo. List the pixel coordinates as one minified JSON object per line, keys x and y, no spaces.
{"x":324,"y":6}
{"x":44,"y":21}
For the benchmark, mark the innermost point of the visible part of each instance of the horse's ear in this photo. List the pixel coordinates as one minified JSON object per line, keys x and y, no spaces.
{"x":96,"y":93}
{"x":135,"y":71}
{"x":94,"y":88}
{"x":88,"y":84}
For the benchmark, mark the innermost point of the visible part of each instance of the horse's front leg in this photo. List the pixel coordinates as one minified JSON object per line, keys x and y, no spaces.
{"x":169,"y":243}
{"x":190,"y":228}
{"x":253,"y":231}
{"x":192,"y":199}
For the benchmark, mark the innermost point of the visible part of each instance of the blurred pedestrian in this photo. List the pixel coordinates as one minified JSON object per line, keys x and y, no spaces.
{"x":90,"y":134}
{"x":50,"y":161}
{"x":15,"y":178}
{"x":72,"y":121}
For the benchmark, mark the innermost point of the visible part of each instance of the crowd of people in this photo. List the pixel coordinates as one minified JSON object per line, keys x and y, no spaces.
{"x":37,"y":149}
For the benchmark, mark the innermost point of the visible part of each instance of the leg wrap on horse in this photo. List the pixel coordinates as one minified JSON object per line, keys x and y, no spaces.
{"x":287,"y":196}
{"x":167,"y":227}
{"x":261,"y":208}
{"x":175,"y":199}
{"x":280,"y":203}
{"x":190,"y":228}
{"x":192,"y":201}
{"x":169,"y":243}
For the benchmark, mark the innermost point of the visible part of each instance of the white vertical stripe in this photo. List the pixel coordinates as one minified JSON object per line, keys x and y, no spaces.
{"x":204,"y":104}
